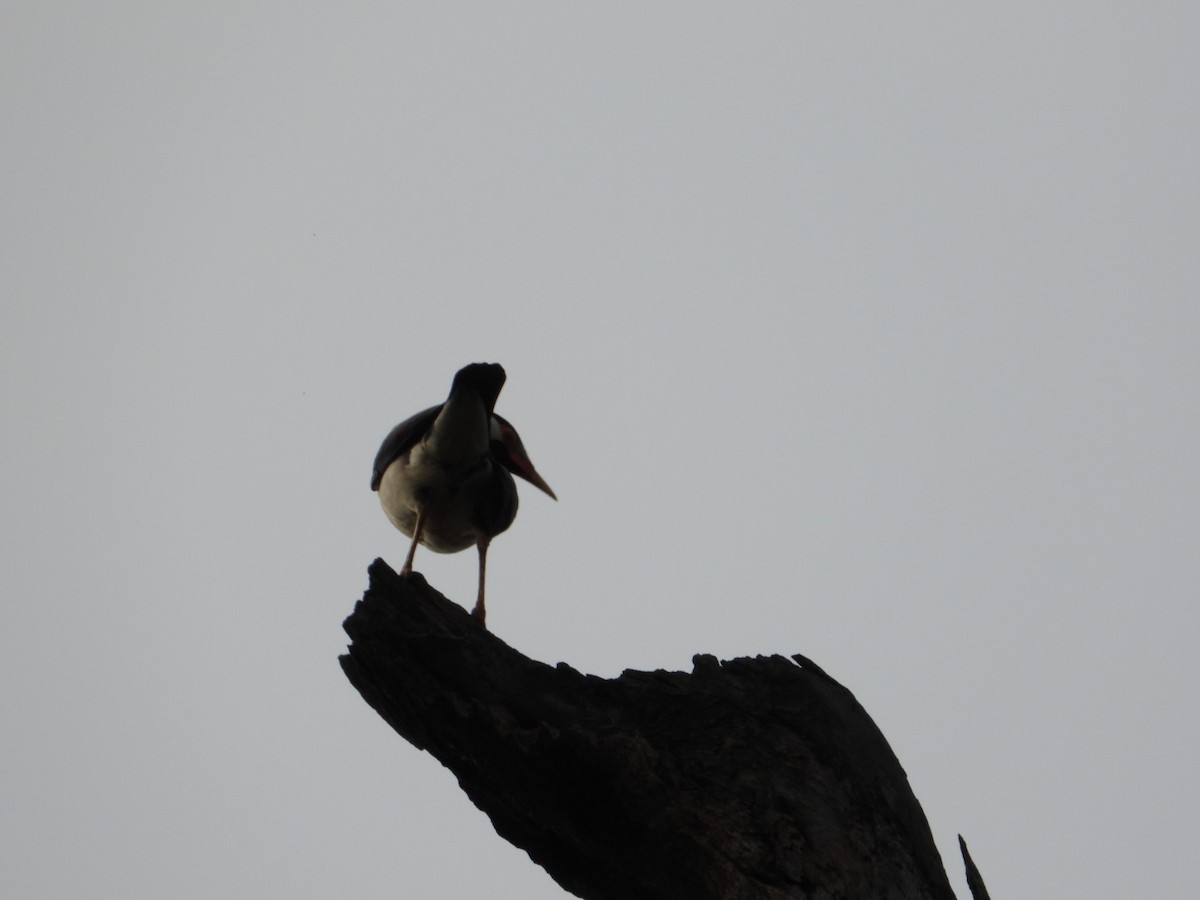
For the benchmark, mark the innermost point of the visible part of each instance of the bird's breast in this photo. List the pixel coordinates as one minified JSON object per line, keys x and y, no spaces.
{"x":450,"y":498}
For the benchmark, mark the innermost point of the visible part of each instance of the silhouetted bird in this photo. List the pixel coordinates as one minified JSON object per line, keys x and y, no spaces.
{"x":443,"y":474}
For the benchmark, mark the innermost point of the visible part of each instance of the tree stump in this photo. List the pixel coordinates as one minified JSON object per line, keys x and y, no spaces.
{"x":749,"y":779}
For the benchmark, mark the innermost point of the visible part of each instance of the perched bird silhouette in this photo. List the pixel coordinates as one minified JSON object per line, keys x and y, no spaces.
{"x":443,"y":475}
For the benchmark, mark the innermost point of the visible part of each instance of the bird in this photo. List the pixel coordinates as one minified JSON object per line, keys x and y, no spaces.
{"x":443,"y":475}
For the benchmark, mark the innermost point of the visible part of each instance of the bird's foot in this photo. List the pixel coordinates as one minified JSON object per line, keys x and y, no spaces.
{"x":479,"y":614}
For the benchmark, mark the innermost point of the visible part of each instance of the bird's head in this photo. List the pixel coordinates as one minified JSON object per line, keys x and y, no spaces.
{"x":507,"y":447}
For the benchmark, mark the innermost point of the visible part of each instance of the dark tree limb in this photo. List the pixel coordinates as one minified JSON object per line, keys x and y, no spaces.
{"x":751,"y":778}
{"x":974,"y":879}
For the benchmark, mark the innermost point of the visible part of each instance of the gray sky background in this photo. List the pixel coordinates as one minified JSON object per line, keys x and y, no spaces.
{"x":863,"y":331}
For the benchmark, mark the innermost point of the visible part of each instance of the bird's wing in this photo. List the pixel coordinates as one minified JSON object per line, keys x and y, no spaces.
{"x":400,"y":439}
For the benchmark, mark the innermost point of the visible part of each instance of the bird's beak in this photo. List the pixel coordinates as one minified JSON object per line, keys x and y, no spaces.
{"x":525,"y":469}
{"x":507,"y":446}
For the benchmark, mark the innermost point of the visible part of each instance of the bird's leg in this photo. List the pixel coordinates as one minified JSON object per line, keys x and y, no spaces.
{"x":412,"y":550}
{"x":480,"y":612}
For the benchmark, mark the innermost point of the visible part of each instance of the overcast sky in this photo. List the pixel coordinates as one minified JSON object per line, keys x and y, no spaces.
{"x":863,"y":331}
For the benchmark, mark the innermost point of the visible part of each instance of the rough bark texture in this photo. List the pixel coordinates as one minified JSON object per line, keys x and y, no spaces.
{"x":750,"y":778}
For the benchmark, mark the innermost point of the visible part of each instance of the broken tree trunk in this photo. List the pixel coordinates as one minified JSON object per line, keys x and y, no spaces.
{"x":751,"y":778}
